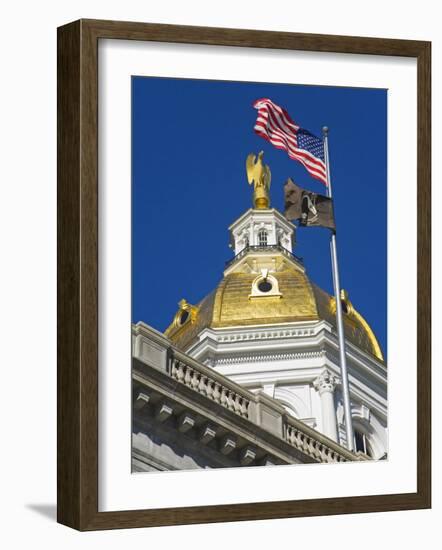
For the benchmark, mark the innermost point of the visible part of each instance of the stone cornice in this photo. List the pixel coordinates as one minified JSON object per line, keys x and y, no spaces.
{"x":269,"y":334}
{"x":286,"y":331}
{"x":268,"y":357}
{"x":316,"y":334}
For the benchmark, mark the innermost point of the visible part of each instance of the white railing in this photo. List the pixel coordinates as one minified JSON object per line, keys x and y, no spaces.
{"x":211,"y":388}
{"x":313,"y":444}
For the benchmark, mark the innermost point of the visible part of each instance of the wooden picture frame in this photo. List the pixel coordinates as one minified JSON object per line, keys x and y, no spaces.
{"x":78,"y":274}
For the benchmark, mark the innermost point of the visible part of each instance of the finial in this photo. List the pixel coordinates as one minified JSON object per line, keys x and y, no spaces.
{"x":259,"y":174}
{"x":325,"y":130}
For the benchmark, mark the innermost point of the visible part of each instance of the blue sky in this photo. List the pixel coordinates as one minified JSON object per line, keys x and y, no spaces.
{"x":190,"y":139}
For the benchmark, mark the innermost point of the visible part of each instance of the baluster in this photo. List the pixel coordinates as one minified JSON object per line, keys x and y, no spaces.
{"x":237,"y":403}
{"x":311,"y":446}
{"x":202,"y":388}
{"x":302,"y":440}
{"x":290,"y":435}
{"x":317,"y":449}
{"x":188,"y":376}
{"x":216,"y":392}
{"x":313,"y":449}
{"x":245,"y":408}
{"x":295,"y":435}
{"x":305,"y":444}
{"x":179,"y":371}
{"x":231,"y":400}
{"x":195,"y":380}
{"x":174,"y":370}
{"x":209,"y":388}
{"x":223,"y":398}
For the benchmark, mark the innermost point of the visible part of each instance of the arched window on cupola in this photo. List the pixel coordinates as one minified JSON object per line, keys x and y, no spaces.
{"x":262,"y":237}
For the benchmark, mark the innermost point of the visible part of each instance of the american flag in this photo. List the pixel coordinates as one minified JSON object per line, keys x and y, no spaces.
{"x":275,"y":125}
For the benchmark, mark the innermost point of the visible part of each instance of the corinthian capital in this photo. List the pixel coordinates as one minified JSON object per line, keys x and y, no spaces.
{"x":326,"y":382}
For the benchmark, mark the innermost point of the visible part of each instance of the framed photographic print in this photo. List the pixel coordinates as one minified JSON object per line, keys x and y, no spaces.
{"x":244,"y":275}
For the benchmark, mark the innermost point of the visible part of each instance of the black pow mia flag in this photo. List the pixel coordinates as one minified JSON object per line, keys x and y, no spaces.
{"x":309,"y":208}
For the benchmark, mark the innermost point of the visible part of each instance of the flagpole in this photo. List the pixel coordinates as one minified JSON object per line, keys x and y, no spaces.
{"x":339,"y":319}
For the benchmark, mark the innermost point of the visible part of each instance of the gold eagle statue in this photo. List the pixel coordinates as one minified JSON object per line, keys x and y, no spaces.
{"x":259,"y":174}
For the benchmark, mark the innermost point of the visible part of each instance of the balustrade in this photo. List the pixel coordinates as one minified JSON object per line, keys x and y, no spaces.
{"x":210,"y":387}
{"x":311,"y":446}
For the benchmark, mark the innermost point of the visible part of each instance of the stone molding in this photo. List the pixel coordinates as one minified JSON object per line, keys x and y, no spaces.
{"x":263,"y":335}
{"x":268,"y":357}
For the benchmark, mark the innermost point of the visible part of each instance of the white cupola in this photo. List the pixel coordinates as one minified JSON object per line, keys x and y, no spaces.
{"x":261,"y":228}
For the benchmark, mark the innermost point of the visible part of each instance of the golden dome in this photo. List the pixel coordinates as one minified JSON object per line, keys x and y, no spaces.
{"x":232,"y":304}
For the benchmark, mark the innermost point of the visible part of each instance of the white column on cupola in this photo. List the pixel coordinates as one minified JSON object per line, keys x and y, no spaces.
{"x":250,"y":229}
{"x":325,"y":385}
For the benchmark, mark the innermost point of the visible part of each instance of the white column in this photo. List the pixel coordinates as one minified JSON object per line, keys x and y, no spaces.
{"x":251,"y":239}
{"x":274,"y":236}
{"x":325,"y":385}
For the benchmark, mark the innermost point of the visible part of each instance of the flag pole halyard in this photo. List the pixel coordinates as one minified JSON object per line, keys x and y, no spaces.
{"x":339,"y":319}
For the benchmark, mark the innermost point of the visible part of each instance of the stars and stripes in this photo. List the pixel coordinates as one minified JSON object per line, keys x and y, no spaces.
{"x":275,"y":125}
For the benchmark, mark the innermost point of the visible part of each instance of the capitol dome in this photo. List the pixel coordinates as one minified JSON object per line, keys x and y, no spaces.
{"x":287,"y":297}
